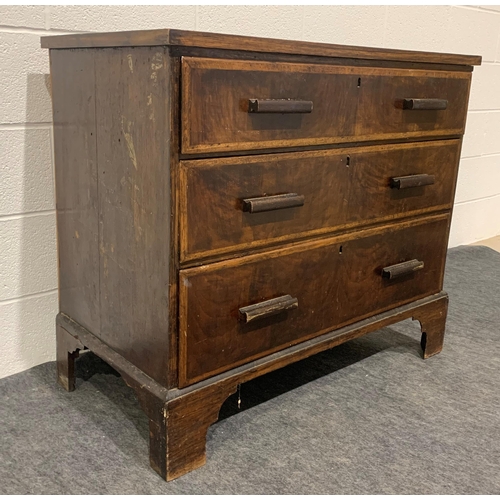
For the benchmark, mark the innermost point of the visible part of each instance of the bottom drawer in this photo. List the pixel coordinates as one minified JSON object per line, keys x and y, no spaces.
{"x":318,"y":286}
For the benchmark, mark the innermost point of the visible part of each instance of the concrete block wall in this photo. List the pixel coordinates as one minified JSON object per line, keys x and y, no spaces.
{"x":28,"y":273}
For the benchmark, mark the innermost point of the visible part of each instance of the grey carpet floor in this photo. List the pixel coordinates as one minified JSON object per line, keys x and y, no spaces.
{"x":369,"y":416}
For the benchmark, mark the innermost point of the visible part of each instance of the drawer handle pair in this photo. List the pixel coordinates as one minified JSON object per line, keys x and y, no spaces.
{"x":290,"y":200}
{"x":422,"y":104}
{"x":267,"y":308}
{"x":409,"y":181}
{"x":272,"y":307}
{"x":279,"y":106}
{"x":402,"y":269}
{"x":297,"y":106}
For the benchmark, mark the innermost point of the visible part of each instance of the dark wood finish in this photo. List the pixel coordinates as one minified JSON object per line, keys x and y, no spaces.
{"x":279,"y":106}
{"x":337,"y":196}
{"x":411,"y":181}
{"x":267,"y":308}
{"x":174,"y":109}
{"x":433,"y":327}
{"x":425,"y":104}
{"x":111,"y":114}
{"x":344,"y":271}
{"x":191,"y":276}
{"x":246,"y":55}
{"x":189,"y":418}
{"x":133,"y":119}
{"x":75,"y":154}
{"x":351,"y":103}
{"x":402,"y":269}
{"x":68,"y":350}
{"x":269,"y":203}
{"x":234,"y":42}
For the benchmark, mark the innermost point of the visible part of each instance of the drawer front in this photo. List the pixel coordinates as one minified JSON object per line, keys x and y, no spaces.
{"x":333,"y":189}
{"x":226,"y":107}
{"x":319,"y":286}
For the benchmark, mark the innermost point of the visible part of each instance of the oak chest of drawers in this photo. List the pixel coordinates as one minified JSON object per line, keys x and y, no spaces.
{"x":229,"y":205}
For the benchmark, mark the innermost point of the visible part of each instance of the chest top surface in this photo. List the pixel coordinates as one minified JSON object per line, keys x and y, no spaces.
{"x":181,"y":38}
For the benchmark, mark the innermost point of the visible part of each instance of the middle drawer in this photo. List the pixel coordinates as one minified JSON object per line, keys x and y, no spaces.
{"x":232,"y":204}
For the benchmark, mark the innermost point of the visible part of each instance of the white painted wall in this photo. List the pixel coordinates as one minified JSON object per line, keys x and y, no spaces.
{"x":28,"y":277}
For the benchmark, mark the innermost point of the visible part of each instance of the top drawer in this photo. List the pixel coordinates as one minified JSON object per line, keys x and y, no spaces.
{"x":348,"y":104}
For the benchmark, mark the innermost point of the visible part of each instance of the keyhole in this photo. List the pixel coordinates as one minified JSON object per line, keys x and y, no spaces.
{"x":340,"y":250}
{"x":348,"y":161}
{"x":359,"y":82}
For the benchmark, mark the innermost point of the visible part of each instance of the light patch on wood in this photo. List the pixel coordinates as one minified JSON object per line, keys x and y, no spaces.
{"x":102,"y":250}
{"x":156,"y":64}
{"x":130,"y":142}
{"x":137,"y":210}
{"x":130,"y":63}
{"x":105,"y":250}
{"x":150,"y":105}
{"x":77,"y":235}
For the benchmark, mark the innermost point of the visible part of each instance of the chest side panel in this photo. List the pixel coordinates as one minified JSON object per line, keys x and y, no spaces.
{"x":132,"y":117}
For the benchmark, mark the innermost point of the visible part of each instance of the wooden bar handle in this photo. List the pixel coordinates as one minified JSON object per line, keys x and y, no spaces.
{"x":409,"y":181}
{"x":397,"y":270}
{"x":267,"y":203}
{"x":423,"y":104}
{"x":267,"y":308}
{"x":279,"y":106}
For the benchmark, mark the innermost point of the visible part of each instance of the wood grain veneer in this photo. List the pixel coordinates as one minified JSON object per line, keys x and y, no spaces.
{"x":342,"y":188}
{"x":213,"y":339}
{"x":349,"y":104}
